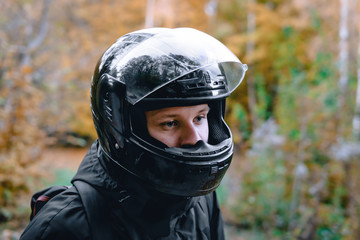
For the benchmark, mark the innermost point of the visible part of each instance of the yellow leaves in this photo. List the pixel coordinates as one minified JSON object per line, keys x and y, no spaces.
{"x":258,"y":54}
{"x":285,"y":15}
{"x":265,"y":15}
{"x":83,"y":123}
{"x":14,"y":176}
{"x":234,"y":43}
{"x":27,"y":69}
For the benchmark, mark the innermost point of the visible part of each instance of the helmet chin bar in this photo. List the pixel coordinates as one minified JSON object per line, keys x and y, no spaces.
{"x":182,"y":172}
{"x":177,"y":177}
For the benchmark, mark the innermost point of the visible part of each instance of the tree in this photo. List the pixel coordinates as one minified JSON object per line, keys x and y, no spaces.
{"x":21,"y":139}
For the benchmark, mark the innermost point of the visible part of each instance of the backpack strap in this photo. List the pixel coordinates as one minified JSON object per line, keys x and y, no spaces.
{"x":40,"y":198}
{"x":95,"y":207}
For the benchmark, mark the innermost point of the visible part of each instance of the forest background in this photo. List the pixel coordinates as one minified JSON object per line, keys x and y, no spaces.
{"x":295,"y":118}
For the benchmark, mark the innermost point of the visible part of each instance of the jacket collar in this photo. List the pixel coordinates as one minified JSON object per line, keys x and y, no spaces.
{"x":154,"y":212}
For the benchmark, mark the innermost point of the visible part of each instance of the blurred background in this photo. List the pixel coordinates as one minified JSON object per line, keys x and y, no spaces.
{"x":295,"y":118}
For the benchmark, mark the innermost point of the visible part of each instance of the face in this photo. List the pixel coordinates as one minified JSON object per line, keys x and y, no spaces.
{"x":179,"y":126}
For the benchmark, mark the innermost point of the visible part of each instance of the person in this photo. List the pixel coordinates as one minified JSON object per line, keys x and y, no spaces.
{"x":158,"y":104}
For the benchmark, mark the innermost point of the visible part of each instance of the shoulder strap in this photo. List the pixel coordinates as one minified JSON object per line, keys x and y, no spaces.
{"x":40,"y":198}
{"x":96,"y":207}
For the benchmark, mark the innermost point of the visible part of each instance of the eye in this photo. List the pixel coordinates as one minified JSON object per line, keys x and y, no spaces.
{"x":169,"y":124}
{"x":198,"y":119}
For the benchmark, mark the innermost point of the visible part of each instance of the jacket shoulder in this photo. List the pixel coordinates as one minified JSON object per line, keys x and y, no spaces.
{"x":63,"y":217}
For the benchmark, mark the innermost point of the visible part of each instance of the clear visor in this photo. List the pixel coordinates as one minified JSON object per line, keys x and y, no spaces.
{"x":161,"y":60}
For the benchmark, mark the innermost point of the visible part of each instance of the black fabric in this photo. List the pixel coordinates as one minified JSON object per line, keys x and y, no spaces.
{"x":39,"y":199}
{"x":122,"y":213}
{"x":218,"y":131}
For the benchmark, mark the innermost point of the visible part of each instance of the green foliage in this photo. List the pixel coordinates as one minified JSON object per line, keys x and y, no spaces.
{"x":222,"y":193}
{"x":263,"y":201}
{"x":243,"y":125}
{"x":291,"y":94}
{"x":63,"y":176}
{"x":295,"y":75}
{"x":264,"y":99}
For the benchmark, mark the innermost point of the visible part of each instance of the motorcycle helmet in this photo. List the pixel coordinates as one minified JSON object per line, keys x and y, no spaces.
{"x":157,"y":68}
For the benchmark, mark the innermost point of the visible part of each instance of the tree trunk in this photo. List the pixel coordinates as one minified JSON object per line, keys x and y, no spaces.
{"x":251,"y":26}
{"x":150,"y":9}
{"x":299,"y":175}
{"x":211,"y":10}
{"x":356,"y":119}
{"x":354,"y":201}
{"x":343,"y":60}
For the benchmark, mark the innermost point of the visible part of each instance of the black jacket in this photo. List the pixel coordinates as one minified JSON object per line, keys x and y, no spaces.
{"x":117,"y":213}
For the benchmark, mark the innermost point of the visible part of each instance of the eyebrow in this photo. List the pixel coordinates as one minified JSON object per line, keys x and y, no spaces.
{"x":205,"y":109}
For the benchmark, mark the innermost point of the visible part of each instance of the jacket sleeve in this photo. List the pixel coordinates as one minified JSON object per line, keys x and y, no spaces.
{"x":63,"y":217}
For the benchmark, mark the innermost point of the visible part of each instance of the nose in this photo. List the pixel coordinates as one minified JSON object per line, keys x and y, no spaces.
{"x":190,"y":136}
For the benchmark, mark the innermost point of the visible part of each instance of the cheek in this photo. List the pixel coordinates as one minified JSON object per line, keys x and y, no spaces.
{"x":168,"y":138}
{"x":204,"y":132}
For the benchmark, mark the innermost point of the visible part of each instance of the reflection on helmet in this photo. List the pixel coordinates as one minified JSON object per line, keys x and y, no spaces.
{"x":156,"y":68}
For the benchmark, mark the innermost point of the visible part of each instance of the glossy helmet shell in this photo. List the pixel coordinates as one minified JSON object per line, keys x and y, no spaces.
{"x":161,"y":67}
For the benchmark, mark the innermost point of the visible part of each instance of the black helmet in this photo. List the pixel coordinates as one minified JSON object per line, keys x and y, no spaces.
{"x":155,"y":68}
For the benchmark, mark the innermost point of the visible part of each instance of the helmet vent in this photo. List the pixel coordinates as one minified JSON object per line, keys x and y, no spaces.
{"x":108,"y":112}
{"x":194,"y":83}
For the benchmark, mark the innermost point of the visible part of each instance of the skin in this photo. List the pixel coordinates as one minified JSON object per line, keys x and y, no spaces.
{"x":179,"y":126}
